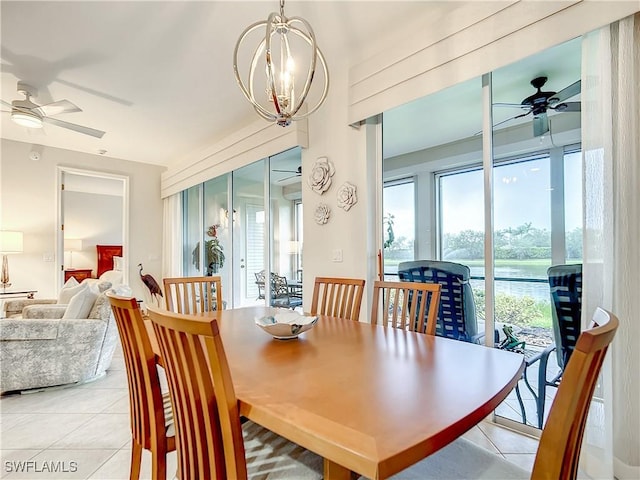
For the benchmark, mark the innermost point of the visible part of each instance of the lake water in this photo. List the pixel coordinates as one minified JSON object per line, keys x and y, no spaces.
{"x":538,"y":290}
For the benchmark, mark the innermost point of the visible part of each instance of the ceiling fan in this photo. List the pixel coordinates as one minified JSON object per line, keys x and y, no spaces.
{"x":29,"y":114}
{"x":540,"y":102}
{"x":296,"y":173}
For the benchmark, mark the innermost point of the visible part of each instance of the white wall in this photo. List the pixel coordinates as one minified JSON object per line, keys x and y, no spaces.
{"x":28,"y":204}
{"x":348,"y":231}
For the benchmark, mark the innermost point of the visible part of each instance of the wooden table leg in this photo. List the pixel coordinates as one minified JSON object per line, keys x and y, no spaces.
{"x":333,"y":471}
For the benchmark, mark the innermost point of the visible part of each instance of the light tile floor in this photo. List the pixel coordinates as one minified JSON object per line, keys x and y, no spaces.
{"x":82,"y":432}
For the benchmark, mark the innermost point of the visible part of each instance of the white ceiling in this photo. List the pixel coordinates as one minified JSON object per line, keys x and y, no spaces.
{"x":156,"y":76}
{"x":456,"y":112}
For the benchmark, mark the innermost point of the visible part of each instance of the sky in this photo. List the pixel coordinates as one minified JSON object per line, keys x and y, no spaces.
{"x":521,"y":195}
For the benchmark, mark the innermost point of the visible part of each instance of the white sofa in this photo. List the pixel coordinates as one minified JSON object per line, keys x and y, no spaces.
{"x":40,"y":348}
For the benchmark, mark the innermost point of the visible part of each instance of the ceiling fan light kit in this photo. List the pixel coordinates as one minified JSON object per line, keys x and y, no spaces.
{"x":27,"y":119}
{"x":283,"y":102}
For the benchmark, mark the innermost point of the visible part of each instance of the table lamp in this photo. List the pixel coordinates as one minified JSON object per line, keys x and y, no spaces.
{"x":72,"y":245}
{"x":10,"y":242}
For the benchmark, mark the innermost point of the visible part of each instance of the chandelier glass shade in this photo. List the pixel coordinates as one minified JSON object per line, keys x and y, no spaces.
{"x":284,"y":39}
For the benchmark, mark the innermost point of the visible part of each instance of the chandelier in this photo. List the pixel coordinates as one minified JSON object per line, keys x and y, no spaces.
{"x":275,"y":56}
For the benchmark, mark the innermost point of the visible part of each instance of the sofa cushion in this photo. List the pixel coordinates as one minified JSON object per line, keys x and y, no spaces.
{"x":67,"y":293}
{"x":80,"y":304}
{"x":101,"y":308}
{"x":12,"y":329}
{"x":43,"y":311}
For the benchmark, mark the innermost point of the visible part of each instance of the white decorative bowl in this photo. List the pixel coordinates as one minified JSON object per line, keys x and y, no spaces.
{"x":286,"y":325}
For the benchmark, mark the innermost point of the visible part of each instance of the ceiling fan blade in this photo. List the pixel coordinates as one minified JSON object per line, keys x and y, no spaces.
{"x":5,"y":103}
{"x":56,"y":108}
{"x":514,"y":105}
{"x":287,"y":178}
{"x":567,"y":107}
{"x":540,"y":125}
{"x":567,"y":92}
{"x":284,"y":171}
{"x":76,"y":128}
{"x":505,"y":121}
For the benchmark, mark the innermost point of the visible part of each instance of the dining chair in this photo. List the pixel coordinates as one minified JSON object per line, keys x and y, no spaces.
{"x":407,"y":305}
{"x":337,"y":297}
{"x":193,"y":294}
{"x":281,"y":294}
{"x":210,"y":439}
{"x":561,"y":440}
{"x":151,"y":415}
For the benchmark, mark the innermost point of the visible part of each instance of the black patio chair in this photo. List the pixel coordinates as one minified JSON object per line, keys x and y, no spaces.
{"x":457,"y":311}
{"x":565,"y":286}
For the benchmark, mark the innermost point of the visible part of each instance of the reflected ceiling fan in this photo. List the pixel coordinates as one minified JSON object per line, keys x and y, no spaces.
{"x":29,"y":114}
{"x":540,"y":102}
{"x":296,"y":173}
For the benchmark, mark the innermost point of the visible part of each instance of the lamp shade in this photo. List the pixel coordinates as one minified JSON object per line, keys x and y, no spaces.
{"x":73,"y":244}
{"x":10,"y":242}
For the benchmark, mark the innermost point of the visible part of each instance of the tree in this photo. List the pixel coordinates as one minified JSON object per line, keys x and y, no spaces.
{"x":389,"y":219}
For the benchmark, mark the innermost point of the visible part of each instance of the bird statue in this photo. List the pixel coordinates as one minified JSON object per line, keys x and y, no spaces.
{"x":151,"y":284}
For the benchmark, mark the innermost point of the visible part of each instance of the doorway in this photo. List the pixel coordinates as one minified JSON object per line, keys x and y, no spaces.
{"x":92,"y":210}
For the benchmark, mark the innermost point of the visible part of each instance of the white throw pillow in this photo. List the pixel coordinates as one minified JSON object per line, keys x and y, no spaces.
{"x":118,"y":263}
{"x":123,"y":291}
{"x":98,"y":286}
{"x":72,"y":282}
{"x":113,"y":276}
{"x":80,"y":305}
{"x":66,"y":294}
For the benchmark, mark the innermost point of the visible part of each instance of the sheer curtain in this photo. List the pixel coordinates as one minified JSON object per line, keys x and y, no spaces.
{"x":611,"y":149}
{"x":172,"y":236}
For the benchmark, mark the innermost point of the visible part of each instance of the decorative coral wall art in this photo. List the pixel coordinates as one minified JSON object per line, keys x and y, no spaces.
{"x":321,"y":173}
{"x":347,"y":197}
{"x":322,"y":214}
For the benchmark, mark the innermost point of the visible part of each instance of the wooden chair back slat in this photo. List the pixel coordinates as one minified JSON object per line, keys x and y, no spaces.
{"x":405,"y":305}
{"x":210,"y":442}
{"x":559,"y":449}
{"x":337,"y":297}
{"x":190,"y":295}
{"x":148,"y":425}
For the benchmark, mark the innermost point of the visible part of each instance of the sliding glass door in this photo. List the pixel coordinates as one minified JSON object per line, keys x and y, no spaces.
{"x":434,"y":162}
{"x":249,"y":233}
{"x":246,"y":226}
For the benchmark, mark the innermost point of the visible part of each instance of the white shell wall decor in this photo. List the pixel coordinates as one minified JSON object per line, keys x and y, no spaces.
{"x":347,"y":197}
{"x":322,"y":214}
{"x":320,"y":177}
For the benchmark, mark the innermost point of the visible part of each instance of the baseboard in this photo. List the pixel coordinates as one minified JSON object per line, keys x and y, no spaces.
{"x":622,"y":471}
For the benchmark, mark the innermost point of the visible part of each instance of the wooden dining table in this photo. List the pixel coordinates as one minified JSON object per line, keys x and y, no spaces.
{"x":369,"y":399}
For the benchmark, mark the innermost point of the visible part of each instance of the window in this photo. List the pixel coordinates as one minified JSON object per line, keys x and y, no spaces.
{"x":398,"y":224}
